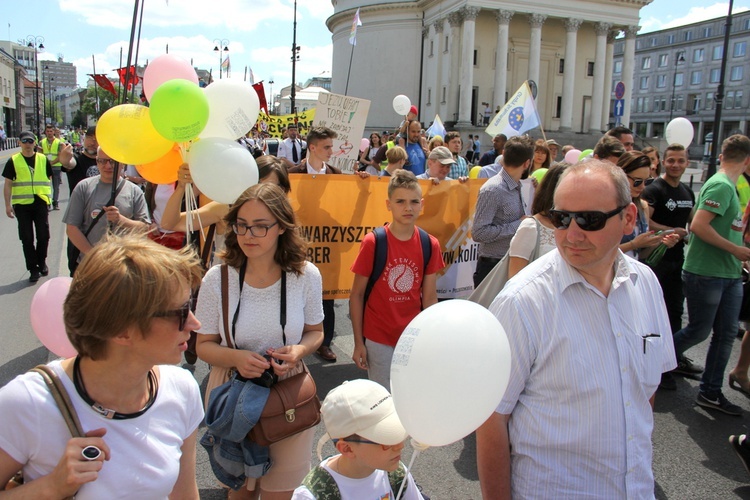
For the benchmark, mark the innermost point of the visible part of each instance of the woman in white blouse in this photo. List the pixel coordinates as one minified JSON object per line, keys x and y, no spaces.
{"x":262,"y":246}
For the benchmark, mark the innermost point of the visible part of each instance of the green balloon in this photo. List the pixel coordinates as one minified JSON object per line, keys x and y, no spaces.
{"x":179,"y":110}
{"x":584,"y":154}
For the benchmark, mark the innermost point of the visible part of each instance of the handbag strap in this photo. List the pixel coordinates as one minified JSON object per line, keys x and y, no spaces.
{"x":535,"y":253}
{"x":207,"y":244}
{"x":225,"y":303}
{"x":60,"y":395}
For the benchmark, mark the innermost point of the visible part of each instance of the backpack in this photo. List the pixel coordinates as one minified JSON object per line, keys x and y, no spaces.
{"x":323,"y":487}
{"x":381,"y":255}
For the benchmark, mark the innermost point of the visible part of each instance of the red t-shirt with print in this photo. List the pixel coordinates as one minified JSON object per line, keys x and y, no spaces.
{"x":396,"y":297}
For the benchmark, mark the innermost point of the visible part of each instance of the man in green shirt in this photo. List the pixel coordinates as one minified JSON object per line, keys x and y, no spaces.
{"x":712,"y":275}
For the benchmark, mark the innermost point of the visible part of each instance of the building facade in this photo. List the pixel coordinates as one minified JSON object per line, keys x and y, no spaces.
{"x":455,"y":58}
{"x":677,"y":73}
{"x":59,"y":74}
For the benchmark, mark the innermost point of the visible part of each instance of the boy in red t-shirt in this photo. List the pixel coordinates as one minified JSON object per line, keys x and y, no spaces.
{"x":401,"y":290}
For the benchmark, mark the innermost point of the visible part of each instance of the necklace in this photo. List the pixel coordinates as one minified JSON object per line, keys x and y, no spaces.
{"x":153,"y":390}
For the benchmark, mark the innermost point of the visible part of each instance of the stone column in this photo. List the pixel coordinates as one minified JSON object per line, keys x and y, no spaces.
{"x":438,"y":82}
{"x":607,"y":98}
{"x":569,"y":75}
{"x":454,"y":19}
{"x":535,"y":45}
{"x":424,"y":81}
{"x":467,"y":65}
{"x":501,"y":57}
{"x":628,"y":67}
{"x":595,"y":119}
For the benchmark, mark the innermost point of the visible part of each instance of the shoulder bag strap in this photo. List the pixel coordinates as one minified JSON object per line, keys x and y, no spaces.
{"x":535,"y":253}
{"x":225,"y":303}
{"x":64,"y":404}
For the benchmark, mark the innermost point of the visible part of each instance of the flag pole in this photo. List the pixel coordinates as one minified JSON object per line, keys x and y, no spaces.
{"x":349,"y":71}
{"x":96,"y":91}
{"x":137,"y":49}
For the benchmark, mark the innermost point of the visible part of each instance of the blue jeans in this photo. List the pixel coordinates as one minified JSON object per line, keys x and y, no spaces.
{"x":56,"y":180}
{"x":712,"y":303}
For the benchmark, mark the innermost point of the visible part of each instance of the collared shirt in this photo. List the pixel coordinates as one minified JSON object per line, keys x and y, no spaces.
{"x":583,"y":370}
{"x":459,"y":169}
{"x":490,"y":170}
{"x":285,"y":149}
{"x":311,"y":170}
{"x":498,"y":214}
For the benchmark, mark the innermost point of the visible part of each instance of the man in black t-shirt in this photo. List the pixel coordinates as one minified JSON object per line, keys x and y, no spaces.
{"x":76,"y":168}
{"x":671,"y":204}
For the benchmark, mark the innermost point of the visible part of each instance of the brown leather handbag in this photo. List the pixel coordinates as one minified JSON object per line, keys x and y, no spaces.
{"x":293,"y":405}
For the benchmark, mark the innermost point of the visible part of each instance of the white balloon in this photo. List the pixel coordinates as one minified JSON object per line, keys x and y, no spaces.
{"x":221,"y":168}
{"x":680,"y":131}
{"x":401,"y":105}
{"x":233,"y":108}
{"x":438,"y":396}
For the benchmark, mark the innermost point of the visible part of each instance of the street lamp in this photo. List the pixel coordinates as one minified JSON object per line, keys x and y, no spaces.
{"x":37,"y":43}
{"x":295,"y":58}
{"x":48,"y":96}
{"x":270,"y":83}
{"x":680,"y":58}
{"x":218,"y":44}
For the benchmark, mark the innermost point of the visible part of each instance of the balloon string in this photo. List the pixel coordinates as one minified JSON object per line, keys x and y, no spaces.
{"x":418,"y":447}
{"x":191,"y":208}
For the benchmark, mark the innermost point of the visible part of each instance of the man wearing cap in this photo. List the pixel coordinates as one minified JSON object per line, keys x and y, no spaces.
{"x":500,"y":207}
{"x":27,"y":195}
{"x":360,"y":418}
{"x":498,"y":143}
{"x":439,"y":164}
{"x":51,"y":146}
{"x":554,"y":148}
{"x":292,"y":148}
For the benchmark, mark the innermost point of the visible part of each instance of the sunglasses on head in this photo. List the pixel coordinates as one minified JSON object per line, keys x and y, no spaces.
{"x":182,"y":313}
{"x":637,"y":182}
{"x":28,"y":141}
{"x":588,"y":221}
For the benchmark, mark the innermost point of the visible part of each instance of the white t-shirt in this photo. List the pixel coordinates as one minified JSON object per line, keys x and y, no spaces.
{"x":258,"y":326}
{"x":376,"y":486}
{"x":524,"y":240}
{"x":144,"y":451}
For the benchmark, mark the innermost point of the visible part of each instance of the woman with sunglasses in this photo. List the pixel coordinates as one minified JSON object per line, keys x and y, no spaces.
{"x":637,"y":167}
{"x":266,"y":263}
{"x":127,"y":314}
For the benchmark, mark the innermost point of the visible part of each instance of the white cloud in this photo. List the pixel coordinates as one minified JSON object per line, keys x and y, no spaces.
{"x":694,"y":15}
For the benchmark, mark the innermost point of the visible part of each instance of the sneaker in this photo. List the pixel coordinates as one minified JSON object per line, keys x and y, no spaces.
{"x":668,"y":382}
{"x":55,"y":206}
{"x":34,"y":276}
{"x":741,"y":447}
{"x":44,"y":270}
{"x":717,"y":401}
{"x":685,"y":366}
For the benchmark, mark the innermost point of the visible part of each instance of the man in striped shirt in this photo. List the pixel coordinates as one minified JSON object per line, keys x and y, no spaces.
{"x":590,"y":338}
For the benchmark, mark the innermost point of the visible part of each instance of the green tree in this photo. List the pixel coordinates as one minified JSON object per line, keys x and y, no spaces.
{"x":79,"y":119}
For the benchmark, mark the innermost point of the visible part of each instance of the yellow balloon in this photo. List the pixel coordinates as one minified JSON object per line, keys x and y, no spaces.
{"x":474,"y":172}
{"x":126,"y":134}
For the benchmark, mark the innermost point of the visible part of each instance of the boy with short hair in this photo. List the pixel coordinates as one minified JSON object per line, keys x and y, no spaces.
{"x":361,"y":419}
{"x":406,"y":285}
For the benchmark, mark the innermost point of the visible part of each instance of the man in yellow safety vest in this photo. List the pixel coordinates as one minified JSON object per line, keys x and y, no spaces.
{"x":27,"y":197}
{"x":51,"y":147}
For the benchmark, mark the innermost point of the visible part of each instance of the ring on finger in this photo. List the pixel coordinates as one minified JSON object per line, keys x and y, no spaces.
{"x":91,"y":453}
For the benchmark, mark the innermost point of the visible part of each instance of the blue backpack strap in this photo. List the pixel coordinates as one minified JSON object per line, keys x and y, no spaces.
{"x":381,"y":255}
{"x":424,"y":239}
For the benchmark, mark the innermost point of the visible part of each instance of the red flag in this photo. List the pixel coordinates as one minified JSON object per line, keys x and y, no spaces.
{"x":132,"y":80}
{"x":104,"y":83}
{"x":261,"y":96}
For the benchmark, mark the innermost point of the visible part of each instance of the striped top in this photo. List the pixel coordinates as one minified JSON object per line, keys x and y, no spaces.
{"x":581,"y":378}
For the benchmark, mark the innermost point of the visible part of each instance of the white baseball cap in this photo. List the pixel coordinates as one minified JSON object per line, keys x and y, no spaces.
{"x":364,"y":408}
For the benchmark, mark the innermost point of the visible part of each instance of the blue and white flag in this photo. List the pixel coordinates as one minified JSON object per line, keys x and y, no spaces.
{"x":437,"y":128}
{"x":517,"y":116}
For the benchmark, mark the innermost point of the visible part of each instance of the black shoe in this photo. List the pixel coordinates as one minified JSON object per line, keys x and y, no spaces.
{"x":55,"y":206}
{"x":34,"y":276}
{"x":44,"y":270}
{"x":741,"y":447}
{"x":667,"y":382}
{"x":685,"y":366}
{"x":717,"y":401}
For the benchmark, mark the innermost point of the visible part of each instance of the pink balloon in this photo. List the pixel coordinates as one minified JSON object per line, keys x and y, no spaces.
{"x":364,"y":143}
{"x":572,"y":156}
{"x":164,"y":68}
{"x":47,"y":316}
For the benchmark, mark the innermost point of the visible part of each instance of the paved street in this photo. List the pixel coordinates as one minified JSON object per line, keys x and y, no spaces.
{"x":692,"y":459}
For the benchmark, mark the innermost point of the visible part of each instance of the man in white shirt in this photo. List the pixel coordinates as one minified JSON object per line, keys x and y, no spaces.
{"x":590,"y":338}
{"x":291,"y":148}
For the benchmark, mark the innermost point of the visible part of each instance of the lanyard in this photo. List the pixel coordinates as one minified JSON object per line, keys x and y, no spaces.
{"x":282,"y":305}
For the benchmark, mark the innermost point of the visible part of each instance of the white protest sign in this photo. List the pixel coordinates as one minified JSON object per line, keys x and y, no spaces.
{"x":346,"y":116}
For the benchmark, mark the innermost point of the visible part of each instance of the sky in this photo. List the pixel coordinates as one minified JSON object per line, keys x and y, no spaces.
{"x":259,"y":32}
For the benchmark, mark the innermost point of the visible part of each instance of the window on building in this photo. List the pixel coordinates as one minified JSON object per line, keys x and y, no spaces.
{"x":707,"y":32}
{"x":709,"y":100}
{"x":590,"y":69}
{"x":670,"y":39}
{"x":639,"y":105}
{"x":739,"y":49}
{"x":679,"y":79}
{"x":696,"y":77}
{"x":698,"y":55}
{"x":688,"y":36}
{"x":561,"y":67}
{"x":646,"y":62}
{"x":736,"y":73}
{"x":746,"y":24}
{"x":644,"y":83}
{"x":657,"y":104}
{"x":475,"y":56}
{"x":558,"y":106}
{"x":442,"y":99}
{"x":717,"y":52}
{"x":661,"y":81}
{"x":729,"y":100}
{"x":618,"y":67}
{"x":646,"y":104}
{"x":696,"y":103}
{"x":738,"y":99}
{"x":653,"y":42}
{"x":679,"y":103}
{"x":663,"y":60}
{"x":715,"y":75}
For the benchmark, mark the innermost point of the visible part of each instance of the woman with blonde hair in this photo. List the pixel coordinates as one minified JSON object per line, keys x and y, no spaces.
{"x":266,"y":259}
{"x":128,"y":315}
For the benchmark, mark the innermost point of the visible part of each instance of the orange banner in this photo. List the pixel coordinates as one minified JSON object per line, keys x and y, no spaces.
{"x":335,"y":212}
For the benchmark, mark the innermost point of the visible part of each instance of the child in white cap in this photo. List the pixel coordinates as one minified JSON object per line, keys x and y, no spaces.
{"x":361,"y":419}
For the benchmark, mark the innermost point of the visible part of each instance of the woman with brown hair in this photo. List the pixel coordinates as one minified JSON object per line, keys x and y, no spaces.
{"x":266,"y":263}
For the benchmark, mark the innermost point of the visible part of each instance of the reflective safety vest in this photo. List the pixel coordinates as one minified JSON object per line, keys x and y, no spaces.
{"x":53,"y":150}
{"x":388,"y":145}
{"x":743,"y":191}
{"x":26,"y":185}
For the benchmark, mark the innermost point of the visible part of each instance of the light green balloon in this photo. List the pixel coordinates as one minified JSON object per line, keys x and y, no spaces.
{"x":584,"y":154}
{"x":179,"y":110}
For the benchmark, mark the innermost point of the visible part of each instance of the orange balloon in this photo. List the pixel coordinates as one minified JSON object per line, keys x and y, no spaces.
{"x":164,"y":170}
